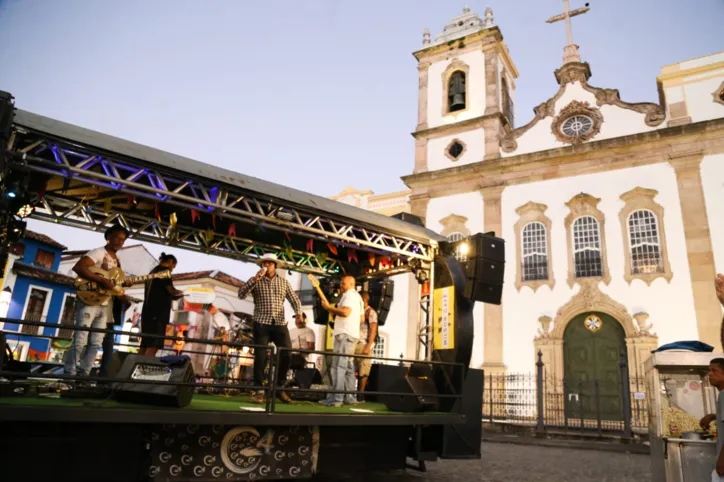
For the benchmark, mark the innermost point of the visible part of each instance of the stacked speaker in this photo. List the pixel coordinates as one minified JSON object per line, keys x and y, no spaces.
{"x":484,"y":268}
{"x":381,"y":294}
{"x":331,"y":292}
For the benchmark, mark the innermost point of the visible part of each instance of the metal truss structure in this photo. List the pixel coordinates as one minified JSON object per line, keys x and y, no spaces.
{"x":85,"y":176}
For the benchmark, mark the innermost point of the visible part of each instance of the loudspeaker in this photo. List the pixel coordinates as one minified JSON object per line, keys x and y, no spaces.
{"x":421,"y":370}
{"x":306,"y":377}
{"x":136,"y":367}
{"x":381,"y":292}
{"x":382,"y":377}
{"x":331,"y":292}
{"x":484,"y":268}
{"x":117,"y":360}
{"x":409,"y":218}
{"x":421,"y":395}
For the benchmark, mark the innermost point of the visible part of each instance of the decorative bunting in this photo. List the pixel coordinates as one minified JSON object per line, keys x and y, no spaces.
{"x":352,"y":255}
{"x":157,"y":211}
{"x":332,"y":248}
{"x":41,"y":192}
{"x":209,"y":235}
{"x":194,"y":216}
{"x":232,"y":230}
{"x":131,"y":201}
{"x":310,"y":246}
{"x":322,"y":257}
{"x":213,"y":220}
{"x":173,"y":220}
{"x":371,"y":257}
{"x":107,"y":206}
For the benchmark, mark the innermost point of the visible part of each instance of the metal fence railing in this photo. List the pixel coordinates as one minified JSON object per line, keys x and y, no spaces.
{"x":547,"y":403}
{"x":214,"y":362}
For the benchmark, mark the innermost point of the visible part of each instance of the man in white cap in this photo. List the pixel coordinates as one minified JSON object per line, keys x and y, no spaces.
{"x":269,"y":292}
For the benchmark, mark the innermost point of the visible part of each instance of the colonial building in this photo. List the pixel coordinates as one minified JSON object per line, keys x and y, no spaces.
{"x":608,"y":206}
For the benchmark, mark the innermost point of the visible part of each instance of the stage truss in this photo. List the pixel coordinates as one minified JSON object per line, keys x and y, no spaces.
{"x":85,"y":177}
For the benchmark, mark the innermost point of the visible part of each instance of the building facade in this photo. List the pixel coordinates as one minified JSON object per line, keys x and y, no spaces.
{"x":608,"y":207}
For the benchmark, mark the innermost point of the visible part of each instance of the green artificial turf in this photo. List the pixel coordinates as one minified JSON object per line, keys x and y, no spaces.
{"x":207,"y":403}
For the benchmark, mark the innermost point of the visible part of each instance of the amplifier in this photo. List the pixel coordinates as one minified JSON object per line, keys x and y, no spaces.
{"x":136,"y":367}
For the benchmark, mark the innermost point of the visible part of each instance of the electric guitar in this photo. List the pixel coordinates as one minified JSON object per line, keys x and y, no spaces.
{"x":315,"y":285}
{"x":93,"y":294}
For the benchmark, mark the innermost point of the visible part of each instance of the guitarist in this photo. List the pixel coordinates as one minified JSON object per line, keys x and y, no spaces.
{"x":156,"y":312}
{"x":87,"y":316}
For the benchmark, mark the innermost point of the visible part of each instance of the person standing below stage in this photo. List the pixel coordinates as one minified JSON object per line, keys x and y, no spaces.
{"x":156,"y":312}
{"x":269,"y":292}
{"x":367,"y":337}
{"x":96,"y":316}
{"x":347,"y":320}
{"x":302,"y":339}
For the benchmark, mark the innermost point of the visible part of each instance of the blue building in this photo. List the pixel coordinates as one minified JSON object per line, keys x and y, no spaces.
{"x":37,"y":292}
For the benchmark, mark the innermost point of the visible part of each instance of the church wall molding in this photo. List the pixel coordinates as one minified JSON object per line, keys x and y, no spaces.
{"x":718,"y":94}
{"x":455,"y":127}
{"x":454,"y":223}
{"x":646,"y":148}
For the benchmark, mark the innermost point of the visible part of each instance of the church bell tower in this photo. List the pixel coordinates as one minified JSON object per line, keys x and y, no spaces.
{"x":466,"y":93}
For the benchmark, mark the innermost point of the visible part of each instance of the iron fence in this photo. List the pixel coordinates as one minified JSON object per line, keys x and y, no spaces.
{"x":540,"y":401}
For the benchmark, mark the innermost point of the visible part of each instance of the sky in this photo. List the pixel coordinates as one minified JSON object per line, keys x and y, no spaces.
{"x":314,"y":94}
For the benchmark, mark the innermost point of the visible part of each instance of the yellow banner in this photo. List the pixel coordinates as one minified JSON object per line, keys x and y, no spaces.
{"x":329,"y":345}
{"x":443,"y":321}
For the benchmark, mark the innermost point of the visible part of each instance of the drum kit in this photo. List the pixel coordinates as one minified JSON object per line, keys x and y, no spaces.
{"x":232,"y":364}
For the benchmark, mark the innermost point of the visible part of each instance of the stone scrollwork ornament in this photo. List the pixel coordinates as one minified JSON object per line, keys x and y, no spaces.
{"x":582,"y":111}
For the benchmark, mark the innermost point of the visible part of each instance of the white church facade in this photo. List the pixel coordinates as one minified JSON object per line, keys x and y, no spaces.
{"x":609,"y":209}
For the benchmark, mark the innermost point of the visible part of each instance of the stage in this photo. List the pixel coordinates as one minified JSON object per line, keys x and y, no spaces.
{"x":209,"y":410}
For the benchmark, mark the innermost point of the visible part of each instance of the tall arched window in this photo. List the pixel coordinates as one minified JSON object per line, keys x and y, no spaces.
{"x":456,"y":97}
{"x":380,"y":348}
{"x":643,"y":234}
{"x":535,"y":252}
{"x":587,"y":247}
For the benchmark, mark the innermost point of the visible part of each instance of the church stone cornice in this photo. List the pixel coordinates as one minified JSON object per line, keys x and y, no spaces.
{"x":605,"y":155}
{"x":455,"y":127}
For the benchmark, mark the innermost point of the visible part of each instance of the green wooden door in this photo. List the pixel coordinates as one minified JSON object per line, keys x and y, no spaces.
{"x":592,"y":348}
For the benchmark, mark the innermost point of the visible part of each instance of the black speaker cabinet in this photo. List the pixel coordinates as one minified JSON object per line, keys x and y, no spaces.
{"x":137,"y":367}
{"x":420,"y":395}
{"x":485,"y":268}
{"x":381,"y":295}
{"x":382,"y":377}
{"x":117,"y":360}
{"x":306,"y":377}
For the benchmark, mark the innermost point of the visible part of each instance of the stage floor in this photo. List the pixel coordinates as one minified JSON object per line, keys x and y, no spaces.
{"x":211,"y":409}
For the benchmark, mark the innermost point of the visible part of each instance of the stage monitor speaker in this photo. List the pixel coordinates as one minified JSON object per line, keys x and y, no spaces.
{"x":306,"y":377}
{"x":117,"y":360}
{"x":484,"y":268}
{"x":421,"y":370}
{"x":382,"y":377}
{"x":136,"y":367}
{"x":381,"y":292}
{"x":421,"y":396}
{"x":409,"y":218}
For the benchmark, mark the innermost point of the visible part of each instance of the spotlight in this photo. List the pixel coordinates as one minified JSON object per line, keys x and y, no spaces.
{"x":11,"y":194}
{"x":464,"y":248}
{"x":26,"y":211}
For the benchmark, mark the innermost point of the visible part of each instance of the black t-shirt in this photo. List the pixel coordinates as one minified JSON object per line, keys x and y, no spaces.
{"x":157,"y":297}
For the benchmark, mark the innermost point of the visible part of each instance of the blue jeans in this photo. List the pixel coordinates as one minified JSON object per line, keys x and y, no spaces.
{"x":343,"y":369}
{"x":87,"y":317}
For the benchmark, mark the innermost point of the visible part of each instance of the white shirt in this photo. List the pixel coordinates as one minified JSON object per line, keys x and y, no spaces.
{"x":104,"y":260}
{"x":300,"y":337}
{"x":349,"y":325}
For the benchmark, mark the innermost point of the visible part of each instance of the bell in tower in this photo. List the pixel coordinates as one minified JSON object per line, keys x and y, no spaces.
{"x":456,"y":92}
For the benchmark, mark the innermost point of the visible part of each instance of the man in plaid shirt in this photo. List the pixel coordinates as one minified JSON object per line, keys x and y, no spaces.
{"x":269,"y":292}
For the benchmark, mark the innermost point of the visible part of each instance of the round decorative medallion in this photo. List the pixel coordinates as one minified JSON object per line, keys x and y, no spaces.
{"x":577,"y":125}
{"x":593,"y":323}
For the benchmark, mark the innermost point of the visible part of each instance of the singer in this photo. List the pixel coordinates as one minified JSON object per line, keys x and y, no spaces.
{"x":269,"y":292}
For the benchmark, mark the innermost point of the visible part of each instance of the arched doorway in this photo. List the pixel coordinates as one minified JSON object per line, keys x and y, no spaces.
{"x":592,"y":347}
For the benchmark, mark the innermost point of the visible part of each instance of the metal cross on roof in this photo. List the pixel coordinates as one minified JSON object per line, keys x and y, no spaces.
{"x":570,"y":51}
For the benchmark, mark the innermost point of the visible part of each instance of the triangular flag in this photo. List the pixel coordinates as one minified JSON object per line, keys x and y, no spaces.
{"x":41,"y":192}
{"x":332,"y":248}
{"x":173,"y":219}
{"x":194,"y":215}
{"x":232,"y":230}
{"x":352,"y":255}
{"x":310,"y":246}
{"x":371,"y":257}
{"x":213,"y":220}
{"x":157,"y":211}
{"x":107,"y":206}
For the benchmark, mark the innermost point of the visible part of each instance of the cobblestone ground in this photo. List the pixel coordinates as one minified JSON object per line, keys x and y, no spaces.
{"x":526,"y":463}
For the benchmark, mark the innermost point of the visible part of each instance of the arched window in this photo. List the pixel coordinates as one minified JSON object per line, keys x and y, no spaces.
{"x":535,"y":252}
{"x":461,"y":253}
{"x":643,"y":234}
{"x":587,"y":247}
{"x":454,"y":237}
{"x":456,"y":98}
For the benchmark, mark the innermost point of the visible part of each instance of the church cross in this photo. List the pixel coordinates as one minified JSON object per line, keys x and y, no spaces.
{"x":571,"y":50}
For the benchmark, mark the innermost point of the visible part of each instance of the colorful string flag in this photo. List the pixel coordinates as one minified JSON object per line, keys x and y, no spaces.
{"x":322,"y":257}
{"x":310,"y":246}
{"x":107,"y":206}
{"x":352,"y":255}
{"x":332,"y":248}
{"x":131,"y":201}
{"x":371,"y":257}
{"x":213,"y":220}
{"x":209,"y":235}
{"x":173,"y":220}
{"x":41,"y":192}
{"x":157,"y":212}
{"x":232,"y":230}
{"x":194,"y":216}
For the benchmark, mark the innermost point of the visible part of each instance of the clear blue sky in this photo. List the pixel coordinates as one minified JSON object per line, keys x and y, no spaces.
{"x":313,"y":94}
